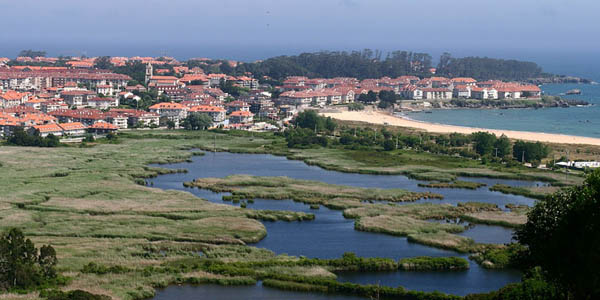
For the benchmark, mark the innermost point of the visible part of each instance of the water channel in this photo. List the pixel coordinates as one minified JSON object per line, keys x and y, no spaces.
{"x":330,"y":234}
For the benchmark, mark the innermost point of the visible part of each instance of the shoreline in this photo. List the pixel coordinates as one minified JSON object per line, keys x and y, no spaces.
{"x":381,"y":118}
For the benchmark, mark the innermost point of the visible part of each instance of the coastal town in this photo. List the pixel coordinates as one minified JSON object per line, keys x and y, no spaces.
{"x":74,"y":97}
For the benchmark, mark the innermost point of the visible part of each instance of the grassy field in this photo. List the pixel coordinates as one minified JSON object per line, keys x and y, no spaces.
{"x":91,"y":205}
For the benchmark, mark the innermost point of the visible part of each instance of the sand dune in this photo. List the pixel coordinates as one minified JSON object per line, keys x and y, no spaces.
{"x":375,"y":117}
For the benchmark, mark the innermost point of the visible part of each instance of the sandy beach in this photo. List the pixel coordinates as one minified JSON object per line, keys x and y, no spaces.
{"x":375,"y":117}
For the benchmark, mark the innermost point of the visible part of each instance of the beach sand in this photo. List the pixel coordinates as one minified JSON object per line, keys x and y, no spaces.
{"x":375,"y":117}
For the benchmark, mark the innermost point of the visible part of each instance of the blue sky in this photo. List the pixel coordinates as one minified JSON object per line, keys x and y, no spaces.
{"x":253,"y":29}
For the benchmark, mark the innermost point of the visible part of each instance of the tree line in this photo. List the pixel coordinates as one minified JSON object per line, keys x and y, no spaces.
{"x":485,"y":68}
{"x":329,"y":64}
{"x":314,"y":130}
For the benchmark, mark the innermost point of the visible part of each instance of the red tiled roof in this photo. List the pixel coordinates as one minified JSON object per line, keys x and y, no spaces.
{"x":72,"y":126}
{"x":167,"y":105}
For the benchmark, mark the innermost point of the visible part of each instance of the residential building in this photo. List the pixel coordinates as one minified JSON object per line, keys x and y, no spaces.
{"x":170,"y":110}
{"x":241,"y":117}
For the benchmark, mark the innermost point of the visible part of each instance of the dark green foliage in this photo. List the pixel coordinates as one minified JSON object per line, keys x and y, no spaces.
{"x":355,"y":106}
{"x":20,"y":265}
{"x":369,"y":97}
{"x":135,"y":70}
{"x":502,"y":146}
{"x":562,"y":234}
{"x":21,"y":138}
{"x":532,"y":152}
{"x":361,"y":64}
{"x":425,"y":263}
{"x":532,"y":287}
{"x":304,"y":137}
{"x":311,"y":120}
{"x":32,"y":53}
{"x":387,"y":99}
{"x":71,"y":295}
{"x":233,"y":90}
{"x":389,"y":145}
{"x":103,"y":62}
{"x":170,"y":124}
{"x":93,"y":268}
{"x":483,"y":68}
{"x":89,"y":138}
{"x":483,"y":142}
{"x":197,"y":121}
{"x":499,"y":258}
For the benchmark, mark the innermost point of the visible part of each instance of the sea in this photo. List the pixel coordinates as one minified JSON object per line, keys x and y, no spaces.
{"x":579,"y":121}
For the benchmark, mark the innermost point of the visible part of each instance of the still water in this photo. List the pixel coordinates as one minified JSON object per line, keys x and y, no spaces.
{"x":581,"y":121}
{"x":330,"y":234}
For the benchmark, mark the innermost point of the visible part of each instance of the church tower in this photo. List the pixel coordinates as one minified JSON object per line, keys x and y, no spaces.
{"x":148,"y":73}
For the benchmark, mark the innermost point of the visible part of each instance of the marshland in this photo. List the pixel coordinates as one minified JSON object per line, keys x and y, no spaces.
{"x":124,"y":207}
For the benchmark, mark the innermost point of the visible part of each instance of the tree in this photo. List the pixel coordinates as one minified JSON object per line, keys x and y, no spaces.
{"x":197,"y":121}
{"x":170,"y":124}
{"x":355,"y":106}
{"x":369,"y":97}
{"x":20,"y":264}
{"x":103,"y":62}
{"x":311,"y":120}
{"x":32,"y":53}
{"x":47,"y":261}
{"x":389,"y":145}
{"x":503,"y":146}
{"x":532,"y":152}
{"x":484,"y":142}
{"x":562,"y":235}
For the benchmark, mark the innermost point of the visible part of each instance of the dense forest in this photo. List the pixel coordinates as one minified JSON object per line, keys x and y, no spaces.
{"x":372,"y":64}
{"x":484,"y":68}
{"x":360,"y":64}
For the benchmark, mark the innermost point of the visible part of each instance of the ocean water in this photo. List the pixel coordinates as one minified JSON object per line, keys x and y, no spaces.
{"x":581,"y":121}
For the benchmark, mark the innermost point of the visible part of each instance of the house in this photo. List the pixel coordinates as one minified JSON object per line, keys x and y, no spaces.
{"x":117,"y":119}
{"x":218,"y":114}
{"x":288,"y":111}
{"x":468,"y":81}
{"x":52,"y":105}
{"x":86,"y":116}
{"x":172,"y":111}
{"x":241,"y":117}
{"x":102,"y":102}
{"x":237,"y":105}
{"x":411,"y":92}
{"x":35,"y":103}
{"x":137,"y":118}
{"x":105,"y":89}
{"x":247,"y":82}
{"x":462,"y":91}
{"x":12,"y":98}
{"x":103,"y":128}
{"x":484,"y":93}
{"x":437,"y":93}
{"x":508,"y":93}
{"x":531,"y":91}
{"x":47,"y":129}
{"x":76,"y":98}
{"x":73,"y":129}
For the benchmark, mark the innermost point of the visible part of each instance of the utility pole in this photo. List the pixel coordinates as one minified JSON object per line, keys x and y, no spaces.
{"x":568,"y":166}
{"x":496,"y":152}
{"x":397,"y":141}
{"x":354,"y":131}
{"x":523,"y":157}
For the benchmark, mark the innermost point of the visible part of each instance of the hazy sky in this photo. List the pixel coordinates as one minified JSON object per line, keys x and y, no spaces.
{"x":251,"y":29}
